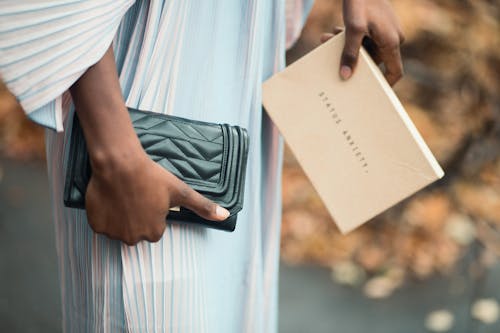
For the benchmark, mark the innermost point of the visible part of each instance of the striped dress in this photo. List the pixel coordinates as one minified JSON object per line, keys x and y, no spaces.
{"x":203,"y":60}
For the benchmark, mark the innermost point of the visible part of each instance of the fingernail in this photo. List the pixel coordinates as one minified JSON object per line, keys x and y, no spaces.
{"x":221,"y":213}
{"x":345,"y":72}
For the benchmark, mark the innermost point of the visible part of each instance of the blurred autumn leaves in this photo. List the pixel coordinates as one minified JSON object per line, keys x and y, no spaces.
{"x":19,"y":137}
{"x":451,"y":91}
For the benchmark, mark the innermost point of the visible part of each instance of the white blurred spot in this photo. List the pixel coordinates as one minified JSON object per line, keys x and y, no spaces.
{"x":439,"y":321}
{"x":379,"y":287}
{"x":461,"y":229}
{"x":348,"y":273}
{"x":485,"y":310}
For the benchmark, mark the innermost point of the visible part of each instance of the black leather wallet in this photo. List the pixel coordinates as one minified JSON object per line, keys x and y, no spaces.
{"x":211,"y":158}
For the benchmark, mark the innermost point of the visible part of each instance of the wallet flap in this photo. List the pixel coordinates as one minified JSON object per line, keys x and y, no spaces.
{"x":197,"y":152}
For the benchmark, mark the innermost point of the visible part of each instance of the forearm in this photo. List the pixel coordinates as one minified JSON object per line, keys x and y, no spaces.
{"x":102,"y":112}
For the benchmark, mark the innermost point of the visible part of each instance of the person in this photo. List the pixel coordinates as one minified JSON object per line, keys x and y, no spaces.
{"x":122,"y":268}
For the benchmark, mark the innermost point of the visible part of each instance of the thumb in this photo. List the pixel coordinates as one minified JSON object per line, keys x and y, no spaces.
{"x":186,"y":197}
{"x":328,"y":35}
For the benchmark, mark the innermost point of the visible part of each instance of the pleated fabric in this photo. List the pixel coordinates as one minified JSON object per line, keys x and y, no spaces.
{"x":202,"y":60}
{"x":45,"y":46}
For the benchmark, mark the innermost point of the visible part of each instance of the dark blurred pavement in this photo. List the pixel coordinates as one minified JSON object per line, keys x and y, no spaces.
{"x":309,"y":301}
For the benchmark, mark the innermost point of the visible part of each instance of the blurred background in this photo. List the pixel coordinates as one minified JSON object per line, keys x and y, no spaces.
{"x":430,"y":264}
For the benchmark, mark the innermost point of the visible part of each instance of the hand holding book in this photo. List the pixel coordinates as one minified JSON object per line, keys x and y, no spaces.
{"x":353,"y":138}
{"x":374,"y":25}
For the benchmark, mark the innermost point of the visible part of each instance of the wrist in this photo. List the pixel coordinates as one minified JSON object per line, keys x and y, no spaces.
{"x":103,"y":115}
{"x":115,"y":155}
{"x":110,"y":137}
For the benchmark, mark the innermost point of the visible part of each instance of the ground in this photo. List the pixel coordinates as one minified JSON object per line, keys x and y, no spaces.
{"x":309,"y":300}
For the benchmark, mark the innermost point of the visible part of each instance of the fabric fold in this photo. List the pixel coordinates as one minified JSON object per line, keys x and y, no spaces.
{"x":45,"y":46}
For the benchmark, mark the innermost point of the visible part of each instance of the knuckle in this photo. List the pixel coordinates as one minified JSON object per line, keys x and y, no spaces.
{"x":356,"y":26}
{"x":157,"y":234}
{"x":390,"y":42}
{"x":130,"y":241}
{"x":155,"y":237}
{"x":185,"y":193}
{"x":402,"y":38}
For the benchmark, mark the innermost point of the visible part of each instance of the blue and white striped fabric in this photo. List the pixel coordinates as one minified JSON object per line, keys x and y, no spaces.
{"x":197,"y":59}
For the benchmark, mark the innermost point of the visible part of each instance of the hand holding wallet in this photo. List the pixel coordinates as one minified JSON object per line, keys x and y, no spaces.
{"x":211,"y":158}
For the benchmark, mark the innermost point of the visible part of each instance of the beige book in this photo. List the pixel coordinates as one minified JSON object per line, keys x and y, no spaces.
{"x":353,"y":138}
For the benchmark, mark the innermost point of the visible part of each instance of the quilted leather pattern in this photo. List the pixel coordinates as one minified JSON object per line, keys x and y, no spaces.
{"x":211,"y":158}
{"x":201,"y":144}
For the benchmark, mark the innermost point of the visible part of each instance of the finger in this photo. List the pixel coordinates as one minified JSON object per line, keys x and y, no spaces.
{"x":127,"y":239}
{"x":390,"y":54}
{"x":186,"y":197}
{"x":155,"y":235}
{"x":372,"y":49}
{"x":393,"y":66}
{"x":353,"y":39}
{"x":152,"y":233}
{"x":158,"y":231}
{"x":326,"y":36}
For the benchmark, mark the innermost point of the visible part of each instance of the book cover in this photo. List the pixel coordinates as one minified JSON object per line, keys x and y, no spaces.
{"x":353,"y":138}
